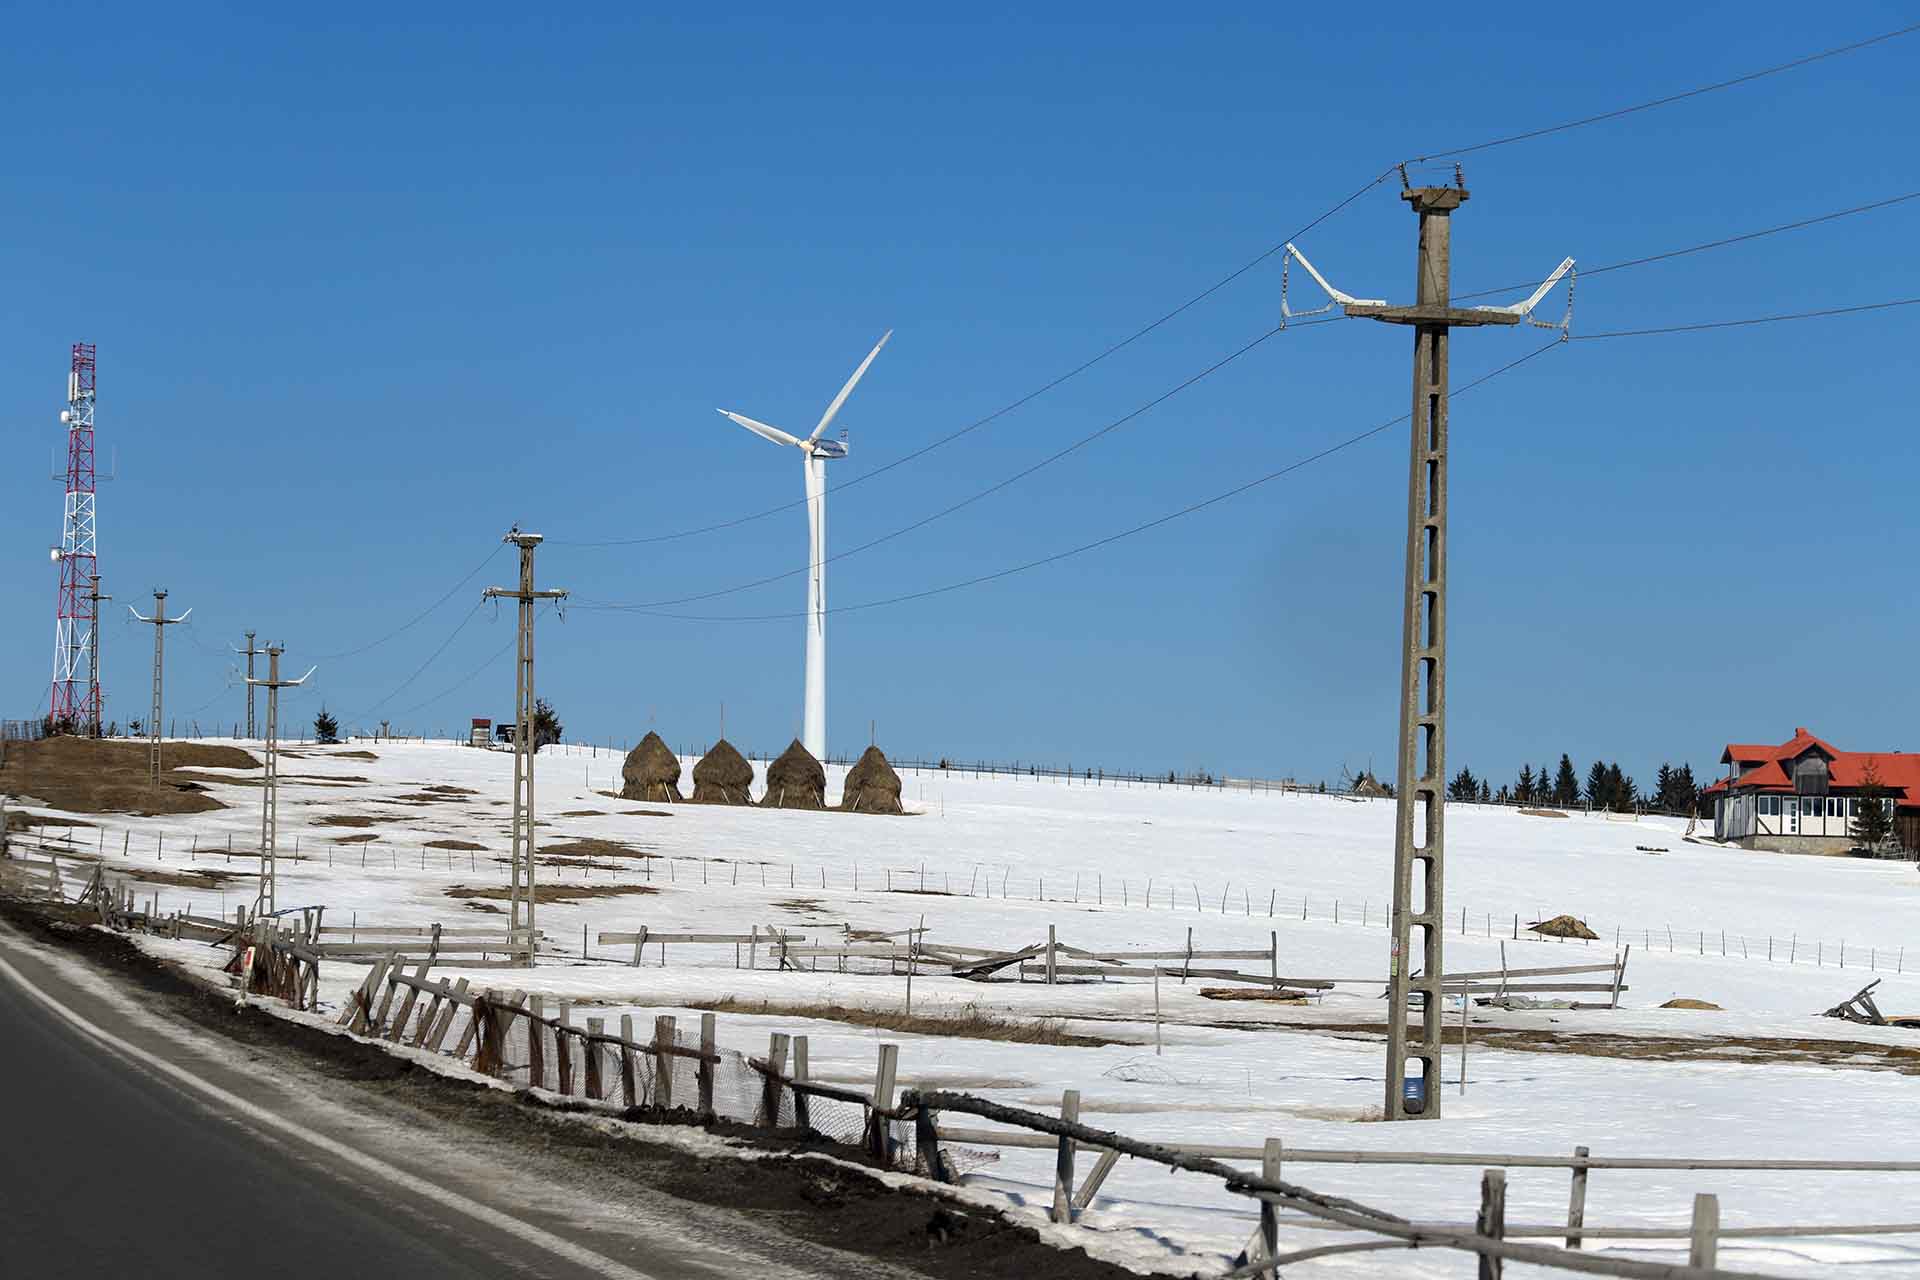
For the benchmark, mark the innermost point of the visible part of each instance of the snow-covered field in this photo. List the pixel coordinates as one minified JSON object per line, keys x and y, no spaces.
{"x":1131,"y":866}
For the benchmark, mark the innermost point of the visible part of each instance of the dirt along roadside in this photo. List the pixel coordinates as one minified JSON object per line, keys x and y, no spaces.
{"x":798,"y":1212}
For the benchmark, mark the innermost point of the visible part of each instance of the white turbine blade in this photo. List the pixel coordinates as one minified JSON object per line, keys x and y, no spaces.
{"x":761,"y":429}
{"x":847,"y":390}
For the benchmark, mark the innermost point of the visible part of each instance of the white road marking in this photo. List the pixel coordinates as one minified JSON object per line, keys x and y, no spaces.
{"x":526,"y":1231}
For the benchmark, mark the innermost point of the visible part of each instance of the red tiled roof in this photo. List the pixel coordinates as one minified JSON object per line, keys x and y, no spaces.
{"x":1898,"y":771}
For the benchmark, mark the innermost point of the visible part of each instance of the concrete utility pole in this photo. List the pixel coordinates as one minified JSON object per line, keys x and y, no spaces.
{"x":263,"y":902}
{"x":523,"y":746}
{"x":250,"y":651}
{"x":1419,"y":843}
{"x":160,"y":622}
{"x":99,"y":698}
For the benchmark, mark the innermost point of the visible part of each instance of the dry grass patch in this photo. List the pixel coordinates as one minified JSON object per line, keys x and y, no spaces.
{"x":551,"y":892}
{"x":581,"y":813}
{"x":345,"y":820}
{"x":968,"y":1023}
{"x":462,"y":846}
{"x":96,"y":775}
{"x":594,"y":847}
{"x":368,"y":838}
{"x":18,"y":821}
{"x":351,"y":755}
{"x":187,"y":879}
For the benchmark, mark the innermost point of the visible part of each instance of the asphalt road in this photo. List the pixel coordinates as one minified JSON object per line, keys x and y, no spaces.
{"x":121,"y":1157}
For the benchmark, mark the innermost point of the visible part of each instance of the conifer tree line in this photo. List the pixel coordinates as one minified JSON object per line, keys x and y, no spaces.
{"x":1607,"y":787}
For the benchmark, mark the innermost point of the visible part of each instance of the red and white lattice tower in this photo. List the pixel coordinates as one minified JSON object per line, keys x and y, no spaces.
{"x":75,"y":701}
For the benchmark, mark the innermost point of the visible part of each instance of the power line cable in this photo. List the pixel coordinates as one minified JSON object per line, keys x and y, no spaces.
{"x":1587,"y":273}
{"x":1237,"y":490}
{"x":1109,"y":539}
{"x":421,"y":669}
{"x":1091,"y":437}
{"x":1672,"y":98}
{"x":998,"y":485}
{"x":1751,"y":320}
{"x":418,"y":618}
{"x":1249,"y":265}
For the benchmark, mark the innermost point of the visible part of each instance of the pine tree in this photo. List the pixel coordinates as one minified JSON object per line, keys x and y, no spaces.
{"x":325,"y":728}
{"x":1596,"y":794}
{"x":546,"y":725}
{"x":1464,"y":786}
{"x":1873,"y":824}
{"x":1486,"y":792}
{"x":1566,"y":783}
{"x":1523,"y":789}
{"x":1663,"y":788}
{"x":1621,"y":793}
{"x":1685,"y":791}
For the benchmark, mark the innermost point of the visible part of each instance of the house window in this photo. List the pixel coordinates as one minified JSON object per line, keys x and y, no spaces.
{"x":1809,"y":806}
{"x":1836,"y":807}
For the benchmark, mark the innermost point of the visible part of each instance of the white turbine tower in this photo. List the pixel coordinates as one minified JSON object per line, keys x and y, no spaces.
{"x":814,"y":453}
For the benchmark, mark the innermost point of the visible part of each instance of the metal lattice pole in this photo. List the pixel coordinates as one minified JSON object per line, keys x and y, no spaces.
{"x":263,"y":903}
{"x":160,"y":622}
{"x":1419,"y":844}
{"x":250,"y":651}
{"x":521,"y":895}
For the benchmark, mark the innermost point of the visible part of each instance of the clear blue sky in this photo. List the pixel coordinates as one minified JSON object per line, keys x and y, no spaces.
{"x":368,"y":291}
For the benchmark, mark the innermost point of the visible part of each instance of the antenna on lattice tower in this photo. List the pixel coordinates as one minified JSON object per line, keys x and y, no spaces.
{"x":74,"y":702}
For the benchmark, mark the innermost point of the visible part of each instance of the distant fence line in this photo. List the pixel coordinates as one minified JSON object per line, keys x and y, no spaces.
{"x":979,"y":880}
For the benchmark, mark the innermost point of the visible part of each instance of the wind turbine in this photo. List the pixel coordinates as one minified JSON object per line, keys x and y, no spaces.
{"x":814,"y":455}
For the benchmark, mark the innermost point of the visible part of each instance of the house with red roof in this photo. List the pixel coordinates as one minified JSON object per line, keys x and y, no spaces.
{"x":1804,"y":795}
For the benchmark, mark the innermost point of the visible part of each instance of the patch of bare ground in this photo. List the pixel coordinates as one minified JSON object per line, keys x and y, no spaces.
{"x":580,"y":864}
{"x":594,"y":847}
{"x":352,"y":755}
{"x":581,"y":813}
{"x":345,"y":820}
{"x":632,"y":813}
{"x":1282,"y":996}
{"x":97,"y":775}
{"x":487,"y":907}
{"x":969,"y":1023}
{"x":367,"y":838}
{"x":551,"y":892}
{"x":463,"y":846}
{"x":184,"y":879}
{"x":799,"y":906}
{"x":1752,"y":1050}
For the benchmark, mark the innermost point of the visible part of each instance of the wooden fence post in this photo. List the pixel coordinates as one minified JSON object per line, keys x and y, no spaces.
{"x":706,"y":1072}
{"x":1493,"y":1218}
{"x":1063,"y":1161}
{"x":879,"y":1141}
{"x":1577,"y":1200}
{"x":537,"y":1042}
{"x":1052,"y":942}
{"x":629,"y":1087}
{"x":776,"y":1067}
{"x":926,"y":1138}
{"x":1269,"y":1215}
{"x":1705,"y":1245}
{"x":802,"y":1113}
{"x":663,"y":1042}
{"x":590,"y":1049}
{"x":639,"y":941}
{"x":563,"y":1054}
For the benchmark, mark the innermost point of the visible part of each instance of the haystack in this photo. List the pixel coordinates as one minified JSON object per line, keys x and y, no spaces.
{"x":872,"y":785}
{"x":652,"y":772}
{"x":1368,"y":786}
{"x":1564,"y":927}
{"x":796,"y":781}
{"x":722,"y":776}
